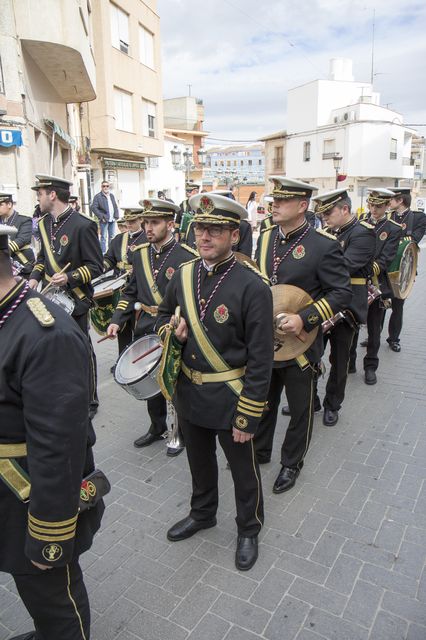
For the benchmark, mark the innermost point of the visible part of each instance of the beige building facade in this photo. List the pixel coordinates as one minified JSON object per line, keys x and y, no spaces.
{"x":123,"y":126}
{"x":46,"y":63}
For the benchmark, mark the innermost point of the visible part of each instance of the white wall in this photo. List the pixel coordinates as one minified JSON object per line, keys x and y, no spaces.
{"x":166,"y":178}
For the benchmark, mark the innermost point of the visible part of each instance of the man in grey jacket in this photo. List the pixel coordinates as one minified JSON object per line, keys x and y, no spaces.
{"x":104,"y":207}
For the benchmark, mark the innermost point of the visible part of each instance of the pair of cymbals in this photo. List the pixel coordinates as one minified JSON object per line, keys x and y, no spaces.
{"x":288,"y":299}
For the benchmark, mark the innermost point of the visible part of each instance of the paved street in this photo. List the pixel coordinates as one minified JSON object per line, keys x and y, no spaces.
{"x":342,"y":556}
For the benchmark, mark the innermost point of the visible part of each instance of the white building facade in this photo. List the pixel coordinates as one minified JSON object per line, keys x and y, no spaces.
{"x":344,"y":118}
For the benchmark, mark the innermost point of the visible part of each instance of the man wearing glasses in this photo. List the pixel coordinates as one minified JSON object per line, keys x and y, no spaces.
{"x":104,"y":207}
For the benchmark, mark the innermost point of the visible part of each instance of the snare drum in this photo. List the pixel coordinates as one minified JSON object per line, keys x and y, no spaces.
{"x":140,"y":379}
{"x":61,"y":298}
{"x":402,"y":271}
{"x":106,"y":296}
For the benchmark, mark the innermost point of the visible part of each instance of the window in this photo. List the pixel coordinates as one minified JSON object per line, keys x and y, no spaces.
{"x":149,"y":118}
{"x":146,"y":47}
{"x":119,"y":29}
{"x":260,"y":162}
{"x":228,"y":163}
{"x":242,"y":163}
{"x":306,"y":151}
{"x":123,"y":110}
{"x":250,"y":163}
{"x":329,"y":149}
{"x":393,"y":149}
{"x":153,"y":162}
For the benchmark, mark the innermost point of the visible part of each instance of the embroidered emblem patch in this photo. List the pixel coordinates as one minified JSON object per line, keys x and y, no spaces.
{"x":221,"y":314}
{"x":206,"y":205}
{"x":132,"y":247}
{"x":87,"y":490}
{"x":63,"y":240}
{"x":313,"y":318}
{"x":52,"y":552}
{"x":241,"y":422}
{"x":169,"y":272}
{"x":75,"y":274}
{"x":383,"y":235}
{"x":147,"y":204}
{"x":298,"y":252}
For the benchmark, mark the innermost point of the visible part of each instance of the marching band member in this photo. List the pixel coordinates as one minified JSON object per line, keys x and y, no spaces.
{"x":20,"y":247}
{"x":226,"y":332}
{"x":67,"y":237}
{"x":358,"y":242}
{"x":154,"y":263}
{"x":46,"y":441}
{"x":292,"y":252}
{"x":413,"y":225}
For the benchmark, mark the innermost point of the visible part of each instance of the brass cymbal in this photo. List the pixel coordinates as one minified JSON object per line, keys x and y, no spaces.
{"x":288,"y":299}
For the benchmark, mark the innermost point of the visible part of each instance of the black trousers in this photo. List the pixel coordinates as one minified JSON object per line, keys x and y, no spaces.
{"x":83,"y":323}
{"x":201,"y":451}
{"x":375,"y":317}
{"x":395,"y":320}
{"x":57,"y":601}
{"x":299,"y":386}
{"x":340,"y":338}
{"x":125,"y":336}
{"x":157,"y":410}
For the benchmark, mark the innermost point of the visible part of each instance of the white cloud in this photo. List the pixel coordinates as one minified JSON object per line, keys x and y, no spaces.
{"x":242,"y":56}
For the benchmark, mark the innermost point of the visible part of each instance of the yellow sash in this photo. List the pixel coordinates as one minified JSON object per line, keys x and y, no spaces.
{"x":264,"y":245}
{"x":124,"y":244}
{"x":51,"y":258}
{"x":214,"y":359}
{"x":149,"y":275}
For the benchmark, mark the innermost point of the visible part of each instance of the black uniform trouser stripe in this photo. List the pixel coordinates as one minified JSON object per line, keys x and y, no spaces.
{"x":57,"y":601}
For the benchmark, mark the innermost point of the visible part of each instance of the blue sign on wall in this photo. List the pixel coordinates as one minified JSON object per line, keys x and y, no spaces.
{"x":10,"y":138}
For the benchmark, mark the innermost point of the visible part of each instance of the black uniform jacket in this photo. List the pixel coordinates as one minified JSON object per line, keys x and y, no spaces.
{"x":317,"y":266}
{"x":120,"y":251}
{"x":244,"y":245}
{"x":20,"y":246}
{"x":358,"y":242}
{"x":238,"y":324}
{"x":413,"y":223}
{"x":76,"y":243}
{"x":388,"y":234}
{"x":44,"y":399}
{"x":144,"y":287}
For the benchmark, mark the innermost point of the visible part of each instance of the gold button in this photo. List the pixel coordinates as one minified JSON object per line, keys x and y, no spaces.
{"x":157,"y":256}
{"x":193,"y":356}
{"x":282,"y":241}
{"x":209,"y":273}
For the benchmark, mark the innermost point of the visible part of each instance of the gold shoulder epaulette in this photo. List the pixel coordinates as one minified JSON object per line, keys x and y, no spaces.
{"x":247,"y":264}
{"x":268,"y":229}
{"x":143,"y":245}
{"x":366,"y":224}
{"x":188,"y":262}
{"x":325,"y":234}
{"x":395,"y":223}
{"x":190,"y":249}
{"x":84,"y":215}
{"x":41,"y":312}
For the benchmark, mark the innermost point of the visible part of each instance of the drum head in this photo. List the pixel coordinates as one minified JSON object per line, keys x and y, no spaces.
{"x":402,"y":281}
{"x":288,"y":299}
{"x":108,"y":285}
{"x":127,"y":374}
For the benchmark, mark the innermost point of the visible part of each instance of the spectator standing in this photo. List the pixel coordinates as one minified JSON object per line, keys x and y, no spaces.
{"x":251,"y":207}
{"x":104,"y":207}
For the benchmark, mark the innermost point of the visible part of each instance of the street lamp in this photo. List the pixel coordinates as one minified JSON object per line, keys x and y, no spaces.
{"x":201,"y":153}
{"x":337,"y":161}
{"x":176,"y":156}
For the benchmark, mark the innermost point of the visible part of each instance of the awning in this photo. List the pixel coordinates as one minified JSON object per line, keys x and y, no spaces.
{"x":58,"y":131}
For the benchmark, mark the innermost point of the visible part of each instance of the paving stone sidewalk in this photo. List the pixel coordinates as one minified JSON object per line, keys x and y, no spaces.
{"x":342,"y":555}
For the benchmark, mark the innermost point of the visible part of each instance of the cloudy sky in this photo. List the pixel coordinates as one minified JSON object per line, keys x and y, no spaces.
{"x":242,"y":56}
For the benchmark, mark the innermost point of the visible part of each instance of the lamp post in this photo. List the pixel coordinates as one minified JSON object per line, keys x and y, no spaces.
{"x":337,"y":160}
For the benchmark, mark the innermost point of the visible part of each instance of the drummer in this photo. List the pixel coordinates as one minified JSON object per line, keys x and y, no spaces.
{"x":244,"y":244}
{"x":292,"y":252}
{"x":414,"y":227}
{"x":67,"y":238}
{"x":154,"y":263}
{"x":388,"y":233}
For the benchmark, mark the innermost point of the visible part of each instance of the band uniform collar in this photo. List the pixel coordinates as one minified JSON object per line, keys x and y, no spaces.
{"x":63,"y":214}
{"x":220,"y":266}
{"x":347,"y":225}
{"x":165,"y":247}
{"x":296,"y":232}
{"x":11,"y":296}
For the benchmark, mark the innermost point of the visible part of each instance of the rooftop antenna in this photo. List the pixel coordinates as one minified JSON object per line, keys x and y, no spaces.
{"x":372,"y":48}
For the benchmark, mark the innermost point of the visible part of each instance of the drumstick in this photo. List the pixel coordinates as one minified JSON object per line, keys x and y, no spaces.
{"x":157,"y":346}
{"x":105,"y":338}
{"x":59,"y":272}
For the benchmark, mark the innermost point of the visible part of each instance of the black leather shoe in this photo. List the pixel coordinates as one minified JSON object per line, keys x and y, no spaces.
{"x":364,"y":343}
{"x":147,"y":439}
{"x":187,"y":527}
{"x":330,"y":417}
{"x":286,"y":479}
{"x":25,"y":636}
{"x":172,"y":452}
{"x":395,"y":346}
{"x":370,"y":376}
{"x":317,"y":407}
{"x":246,"y":553}
{"x":352,"y":368}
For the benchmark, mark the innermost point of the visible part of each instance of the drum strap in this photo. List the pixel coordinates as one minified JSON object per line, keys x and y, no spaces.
{"x":51,"y":259}
{"x":264,"y":246}
{"x":149,"y":275}
{"x":207,"y":349}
